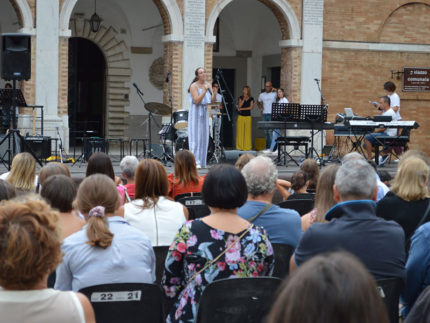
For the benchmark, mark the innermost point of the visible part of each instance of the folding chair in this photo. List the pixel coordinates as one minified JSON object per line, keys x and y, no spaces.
{"x":390,"y":289}
{"x":302,"y":206}
{"x":196,"y":207}
{"x":283,"y":254}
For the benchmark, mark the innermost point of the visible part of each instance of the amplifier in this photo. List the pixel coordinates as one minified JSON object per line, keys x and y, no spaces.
{"x":41,"y":146}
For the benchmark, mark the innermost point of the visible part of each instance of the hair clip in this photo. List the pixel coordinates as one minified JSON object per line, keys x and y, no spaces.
{"x":97,"y":211}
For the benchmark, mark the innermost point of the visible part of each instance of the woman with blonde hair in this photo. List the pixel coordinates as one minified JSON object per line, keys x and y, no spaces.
{"x":23,"y":173}
{"x":151,"y":211}
{"x":244,"y":121}
{"x":107,"y":250}
{"x":185,"y":179}
{"x":29,"y":251}
{"x":408,"y":199}
{"x":324,"y":199}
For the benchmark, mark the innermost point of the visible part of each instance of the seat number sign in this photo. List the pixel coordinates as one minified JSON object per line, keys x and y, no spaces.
{"x":116,"y":296}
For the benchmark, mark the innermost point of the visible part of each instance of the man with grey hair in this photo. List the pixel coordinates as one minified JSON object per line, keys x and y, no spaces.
{"x":282,"y":225}
{"x":128,"y":167}
{"x":382,"y":188}
{"x":353,"y":226}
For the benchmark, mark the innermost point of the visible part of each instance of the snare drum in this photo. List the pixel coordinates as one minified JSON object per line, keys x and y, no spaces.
{"x":167,"y":132}
{"x":180,"y":119}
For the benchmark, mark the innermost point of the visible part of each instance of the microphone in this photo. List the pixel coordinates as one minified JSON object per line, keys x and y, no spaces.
{"x":316,"y":80}
{"x":168,"y":77}
{"x":137,"y":88}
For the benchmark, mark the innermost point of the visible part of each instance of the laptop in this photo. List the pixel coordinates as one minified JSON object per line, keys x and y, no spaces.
{"x":349,"y":114}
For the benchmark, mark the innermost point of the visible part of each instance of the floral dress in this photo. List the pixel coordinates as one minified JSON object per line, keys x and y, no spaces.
{"x":197,"y":244}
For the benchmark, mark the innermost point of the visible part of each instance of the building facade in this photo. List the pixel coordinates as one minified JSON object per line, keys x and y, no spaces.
{"x":85,"y":80}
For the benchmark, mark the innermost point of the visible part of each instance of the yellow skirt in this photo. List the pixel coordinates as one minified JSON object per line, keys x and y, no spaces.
{"x":244,"y":134}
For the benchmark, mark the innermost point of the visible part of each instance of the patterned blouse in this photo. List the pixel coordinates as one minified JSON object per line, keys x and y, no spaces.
{"x":196,"y":244}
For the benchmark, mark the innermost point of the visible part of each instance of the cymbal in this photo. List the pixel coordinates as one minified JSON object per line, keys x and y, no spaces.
{"x":158,"y":108}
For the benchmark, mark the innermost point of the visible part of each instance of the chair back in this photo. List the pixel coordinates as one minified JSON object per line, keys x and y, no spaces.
{"x":196,"y":206}
{"x":160,"y":258}
{"x":390,"y":289}
{"x":283,"y":254}
{"x":179,"y":196}
{"x":302,"y":206}
{"x":126,"y":302}
{"x":237,"y":300}
{"x":420,"y":312}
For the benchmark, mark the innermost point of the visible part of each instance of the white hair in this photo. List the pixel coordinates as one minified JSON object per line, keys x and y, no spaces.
{"x":352,"y":156}
{"x":356,"y":179}
{"x":260,"y":175}
{"x":128,"y":166}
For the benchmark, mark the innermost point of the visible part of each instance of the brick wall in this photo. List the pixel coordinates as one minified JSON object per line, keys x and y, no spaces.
{"x":352,"y":78}
{"x":173,"y":63}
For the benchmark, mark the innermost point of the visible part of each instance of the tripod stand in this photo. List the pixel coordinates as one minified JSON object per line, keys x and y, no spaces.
{"x":13,"y":98}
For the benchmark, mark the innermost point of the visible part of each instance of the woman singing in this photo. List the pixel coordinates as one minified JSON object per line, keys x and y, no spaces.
{"x":244,"y":122}
{"x":201,"y":94}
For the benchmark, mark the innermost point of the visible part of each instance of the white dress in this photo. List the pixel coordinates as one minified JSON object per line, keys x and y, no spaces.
{"x":198,"y":128}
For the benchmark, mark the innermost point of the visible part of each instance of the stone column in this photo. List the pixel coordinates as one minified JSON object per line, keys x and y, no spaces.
{"x":47,"y":62}
{"x":194,"y":43}
{"x":312,"y":50}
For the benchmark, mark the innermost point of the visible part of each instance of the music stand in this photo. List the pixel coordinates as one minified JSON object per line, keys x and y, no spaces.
{"x":315,"y":114}
{"x":14,"y":99}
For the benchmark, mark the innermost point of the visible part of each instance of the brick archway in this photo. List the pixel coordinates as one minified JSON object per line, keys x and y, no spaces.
{"x":118,"y":73}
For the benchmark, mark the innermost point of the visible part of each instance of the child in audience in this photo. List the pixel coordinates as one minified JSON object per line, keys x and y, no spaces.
{"x":107,"y":249}
{"x":22,"y":174}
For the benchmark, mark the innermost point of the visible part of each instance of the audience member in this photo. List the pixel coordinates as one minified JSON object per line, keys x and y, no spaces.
{"x":409,"y":198}
{"x":414,"y":153}
{"x":50,"y":169}
{"x":100,"y":163}
{"x":324,"y":199}
{"x":382,"y":188}
{"x":128,"y":167}
{"x":107,"y":250}
{"x":30,"y":249}
{"x":353,"y":225}
{"x":417,"y":267}
{"x":186,"y":179}
{"x":282,"y":225}
{"x":221,"y":245}
{"x":60,"y":192}
{"x":299,"y":185}
{"x":7,"y":191}
{"x":152,"y":212}
{"x":22,"y":174}
{"x":311,"y":168}
{"x":329,"y":288}
{"x":243,"y":160}
{"x":384,"y":176}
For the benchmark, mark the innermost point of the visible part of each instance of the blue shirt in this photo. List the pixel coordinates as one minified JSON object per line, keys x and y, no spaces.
{"x":417,"y":267}
{"x":130,"y":259}
{"x":282,"y":225}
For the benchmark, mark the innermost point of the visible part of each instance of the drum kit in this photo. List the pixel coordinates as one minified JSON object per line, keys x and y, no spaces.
{"x":176,"y":133}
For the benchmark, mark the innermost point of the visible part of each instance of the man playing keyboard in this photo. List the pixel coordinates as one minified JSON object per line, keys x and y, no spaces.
{"x":371,"y":139}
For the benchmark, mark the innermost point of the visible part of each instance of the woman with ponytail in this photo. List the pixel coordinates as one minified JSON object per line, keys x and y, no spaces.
{"x":107,"y":249}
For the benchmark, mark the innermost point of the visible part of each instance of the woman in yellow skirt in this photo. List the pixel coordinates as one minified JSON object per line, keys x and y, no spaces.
{"x":244,"y":121}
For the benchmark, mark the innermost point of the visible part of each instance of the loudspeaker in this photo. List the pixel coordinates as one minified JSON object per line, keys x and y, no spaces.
{"x":41,"y":146}
{"x":16,"y":57}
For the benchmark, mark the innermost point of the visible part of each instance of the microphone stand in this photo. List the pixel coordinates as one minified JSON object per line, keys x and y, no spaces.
{"x":169,"y":87}
{"x":61,"y":145}
{"x":325,"y":107}
{"x":140,"y":94}
{"x":219,"y":76}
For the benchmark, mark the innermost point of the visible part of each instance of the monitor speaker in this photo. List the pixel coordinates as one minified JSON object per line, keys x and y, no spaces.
{"x":16,"y":57}
{"x":41,"y":146}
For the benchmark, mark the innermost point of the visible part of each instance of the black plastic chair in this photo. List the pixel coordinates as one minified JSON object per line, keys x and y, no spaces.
{"x":390,"y":289}
{"x":420,"y":312}
{"x":126,"y":302}
{"x":160,"y":258}
{"x":283,"y":254}
{"x":302,"y":206}
{"x":179,"y":196}
{"x":238,"y":300}
{"x":196,"y":206}
{"x":51,"y":279}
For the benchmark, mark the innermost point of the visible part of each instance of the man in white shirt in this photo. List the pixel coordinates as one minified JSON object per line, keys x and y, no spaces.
{"x":264,"y":102}
{"x":390,"y":90}
{"x":371,"y":139}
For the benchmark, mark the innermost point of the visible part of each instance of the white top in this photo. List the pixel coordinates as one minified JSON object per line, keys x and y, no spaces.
{"x":4,"y":177}
{"x":42,"y":305}
{"x":129,"y":259}
{"x":267,"y":99}
{"x":283,"y":100}
{"x":395,"y":102}
{"x":160,"y":223}
{"x":390,"y":131}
